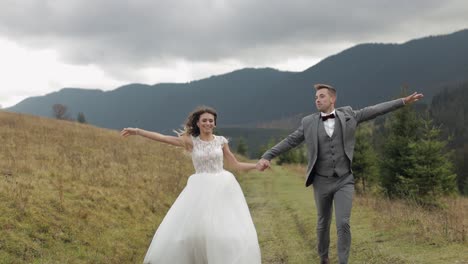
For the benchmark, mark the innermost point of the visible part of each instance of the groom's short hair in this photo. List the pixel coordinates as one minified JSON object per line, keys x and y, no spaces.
{"x":330,"y":88}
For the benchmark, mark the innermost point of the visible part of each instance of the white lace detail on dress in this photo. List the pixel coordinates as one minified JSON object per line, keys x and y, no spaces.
{"x":207,"y":156}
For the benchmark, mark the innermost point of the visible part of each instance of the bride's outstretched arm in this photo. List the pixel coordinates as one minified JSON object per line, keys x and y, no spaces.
{"x":234,"y":163}
{"x":180,"y":141}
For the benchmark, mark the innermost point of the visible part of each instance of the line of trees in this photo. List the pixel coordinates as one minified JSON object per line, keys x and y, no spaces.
{"x":60,"y":111}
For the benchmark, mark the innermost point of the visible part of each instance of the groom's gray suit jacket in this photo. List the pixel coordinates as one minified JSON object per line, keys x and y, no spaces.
{"x":308,"y":131}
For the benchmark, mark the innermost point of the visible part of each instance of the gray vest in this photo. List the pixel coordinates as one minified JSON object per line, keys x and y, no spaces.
{"x":331,"y":158}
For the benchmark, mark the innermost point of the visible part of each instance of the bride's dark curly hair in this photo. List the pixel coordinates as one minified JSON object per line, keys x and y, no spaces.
{"x":190,"y":126}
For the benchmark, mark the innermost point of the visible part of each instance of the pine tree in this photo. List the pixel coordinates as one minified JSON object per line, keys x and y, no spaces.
{"x":430,"y":173}
{"x":402,"y":128}
{"x":241,"y":147}
{"x":81,"y":118}
{"x":450,"y":110}
{"x":365,"y":168}
{"x":416,"y":163}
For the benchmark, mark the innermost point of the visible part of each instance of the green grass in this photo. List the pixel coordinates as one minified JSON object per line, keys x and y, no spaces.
{"x":283,"y":215}
{"x":285,"y":218}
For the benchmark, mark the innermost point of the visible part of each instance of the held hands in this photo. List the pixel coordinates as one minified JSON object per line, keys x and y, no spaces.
{"x":129,"y":131}
{"x":262,"y":164}
{"x":412,"y":98}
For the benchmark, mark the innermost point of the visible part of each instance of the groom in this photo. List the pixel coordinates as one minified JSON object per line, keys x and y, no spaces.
{"x":329,"y":138}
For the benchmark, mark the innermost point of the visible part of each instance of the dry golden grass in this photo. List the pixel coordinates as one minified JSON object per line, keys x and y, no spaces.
{"x":74,"y":193}
{"x":414,"y":223}
{"x":410,"y":233}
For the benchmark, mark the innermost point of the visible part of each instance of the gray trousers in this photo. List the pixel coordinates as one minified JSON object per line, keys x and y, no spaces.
{"x":340,"y":191}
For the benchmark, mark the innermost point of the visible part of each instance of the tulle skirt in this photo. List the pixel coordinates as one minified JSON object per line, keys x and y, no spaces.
{"x":209,"y":223}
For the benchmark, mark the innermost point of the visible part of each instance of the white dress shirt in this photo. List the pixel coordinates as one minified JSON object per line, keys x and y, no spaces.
{"x":329,"y":124}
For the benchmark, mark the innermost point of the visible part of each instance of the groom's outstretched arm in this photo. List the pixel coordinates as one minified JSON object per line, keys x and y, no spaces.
{"x":372,"y":112}
{"x":291,"y":141}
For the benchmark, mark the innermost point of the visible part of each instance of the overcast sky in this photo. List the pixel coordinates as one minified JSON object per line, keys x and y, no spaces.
{"x":46,"y":45}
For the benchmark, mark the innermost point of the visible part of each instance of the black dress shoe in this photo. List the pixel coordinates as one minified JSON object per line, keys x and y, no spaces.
{"x":325,"y":260}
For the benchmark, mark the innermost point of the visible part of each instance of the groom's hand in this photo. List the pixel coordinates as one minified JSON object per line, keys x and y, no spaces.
{"x":262,"y":164}
{"x":412,"y":98}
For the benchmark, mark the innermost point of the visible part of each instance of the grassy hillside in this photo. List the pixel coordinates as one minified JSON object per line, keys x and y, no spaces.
{"x":73,"y":193}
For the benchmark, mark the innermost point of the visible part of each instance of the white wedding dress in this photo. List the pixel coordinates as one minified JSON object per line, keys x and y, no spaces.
{"x":210,"y":222}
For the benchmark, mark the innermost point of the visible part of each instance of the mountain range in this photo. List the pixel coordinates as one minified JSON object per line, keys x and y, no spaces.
{"x":363,"y":75}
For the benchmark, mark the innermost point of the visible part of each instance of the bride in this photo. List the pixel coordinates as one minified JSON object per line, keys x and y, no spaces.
{"x":210,"y":222}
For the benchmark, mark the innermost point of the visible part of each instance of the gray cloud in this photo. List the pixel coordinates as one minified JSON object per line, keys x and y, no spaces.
{"x":145,"y":33}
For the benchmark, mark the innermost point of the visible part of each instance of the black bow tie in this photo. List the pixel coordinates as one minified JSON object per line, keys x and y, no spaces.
{"x":324,"y":118}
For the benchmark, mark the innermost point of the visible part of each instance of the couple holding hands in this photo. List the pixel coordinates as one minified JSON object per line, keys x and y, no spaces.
{"x":210,"y":222}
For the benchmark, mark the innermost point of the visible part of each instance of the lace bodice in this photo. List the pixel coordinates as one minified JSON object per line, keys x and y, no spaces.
{"x":207,"y":156}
